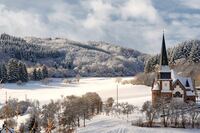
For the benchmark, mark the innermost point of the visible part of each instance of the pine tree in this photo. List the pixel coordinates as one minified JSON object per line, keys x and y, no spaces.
{"x":34,"y":74}
{"x":4,"y":75}
{"x":13,"y":70}
{"x":39,"y":74}
{"x":44,"y":72}
{"x":23,"y":74}
{"x":195,"y":54}
{"x":20,"y":71}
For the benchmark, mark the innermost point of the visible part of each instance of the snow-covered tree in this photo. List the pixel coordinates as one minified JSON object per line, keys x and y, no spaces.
{"x":150,"y":112}
{"x":33,"y":124}
{"x":45,"y":72}
{"x":3,"y":73}
{"x":23,"y":74}
{"x":13,"y":70}
{"x":39,"y":74}
{"x":48,"y":112}
{"x":195,"y":53}
{"x":34,"y":75}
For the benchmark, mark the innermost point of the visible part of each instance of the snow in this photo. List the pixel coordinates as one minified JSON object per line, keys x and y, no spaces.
{"x":183,"y":80}
{"x":156,"y":86}
{"x":105,"y":87}
{"x":190,"y":93}
{"x":108,"y":124}
{"x":18,"y":119}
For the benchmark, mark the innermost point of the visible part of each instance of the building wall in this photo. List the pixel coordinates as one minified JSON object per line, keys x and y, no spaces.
{"x":155,"y":96}
{"x":178,"y":89}
{"x":190,"y":98}
{"x":165,"y":86}
{"x":166,"y":95}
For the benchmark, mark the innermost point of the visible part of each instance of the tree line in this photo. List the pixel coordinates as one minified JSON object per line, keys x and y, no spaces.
{"x":171,"y":113}
{"x":16,"y":71}
{"x":14,"y":47}
{"x":62,"y":115}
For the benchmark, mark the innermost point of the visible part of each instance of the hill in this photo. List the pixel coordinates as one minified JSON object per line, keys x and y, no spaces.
{"x":66,"y":58}
{"x":95,"y":58}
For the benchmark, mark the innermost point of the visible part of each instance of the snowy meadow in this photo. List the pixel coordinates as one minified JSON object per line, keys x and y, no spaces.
{"x":105,"y":87}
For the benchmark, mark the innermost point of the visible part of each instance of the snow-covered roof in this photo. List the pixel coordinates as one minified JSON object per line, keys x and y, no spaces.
{"x":190,"y":93}
{"x":10,"y":130}
{"x":156,"y":86}
{"x":183,"y":80}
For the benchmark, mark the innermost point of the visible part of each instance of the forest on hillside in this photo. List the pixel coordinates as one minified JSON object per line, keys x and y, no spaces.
{"x":65,"y":58}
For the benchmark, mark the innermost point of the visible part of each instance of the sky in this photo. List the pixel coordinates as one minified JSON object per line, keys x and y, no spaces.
{"x":136,"y":24}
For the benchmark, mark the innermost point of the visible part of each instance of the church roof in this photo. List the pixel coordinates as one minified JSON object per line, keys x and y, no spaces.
{"x":156,"y":86}
{"x":163,"y":56}
{"x":185,"y":81}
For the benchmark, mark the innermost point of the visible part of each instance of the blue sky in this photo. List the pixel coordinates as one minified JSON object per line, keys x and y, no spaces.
{"x":136,"y":24}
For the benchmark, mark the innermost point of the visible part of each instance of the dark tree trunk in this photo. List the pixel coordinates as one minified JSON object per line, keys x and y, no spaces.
{"x":78,"y":120}
{"x":84,"y":120}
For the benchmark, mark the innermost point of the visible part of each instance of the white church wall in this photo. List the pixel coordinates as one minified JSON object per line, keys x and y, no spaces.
{"x":166,"y":86}
{"x":178,"y":89}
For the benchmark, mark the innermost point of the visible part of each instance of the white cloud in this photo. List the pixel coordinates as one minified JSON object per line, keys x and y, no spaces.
{"x":131,"y":23}
{"x":99,"y":15}
{"x":139,"y":9}
{"x":20,"y":23}
{"x":194,"y":4}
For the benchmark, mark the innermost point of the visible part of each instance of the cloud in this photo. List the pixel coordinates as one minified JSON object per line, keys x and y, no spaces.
{"x":136,"y":24}
{"x":194,"y":4}
{"x":20,"y":22}
{"x":139,"y":9}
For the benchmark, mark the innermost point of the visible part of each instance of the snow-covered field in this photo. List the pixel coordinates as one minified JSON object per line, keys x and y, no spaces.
{"x":108,"y":124}
{"x":105,"y":87}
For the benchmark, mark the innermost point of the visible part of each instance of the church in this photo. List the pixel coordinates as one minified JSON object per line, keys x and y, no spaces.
{"x":168,"y":85}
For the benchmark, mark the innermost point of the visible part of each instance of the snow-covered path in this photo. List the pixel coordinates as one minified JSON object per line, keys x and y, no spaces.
{"x":107,"y":124}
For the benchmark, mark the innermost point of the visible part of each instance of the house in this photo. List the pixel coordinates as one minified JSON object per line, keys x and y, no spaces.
{"x":6,"y":129}
{"x":168,"y":85}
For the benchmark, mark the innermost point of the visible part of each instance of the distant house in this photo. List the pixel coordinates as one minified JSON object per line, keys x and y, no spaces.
{"x":168,"y":85}
{"x":6,"y":130}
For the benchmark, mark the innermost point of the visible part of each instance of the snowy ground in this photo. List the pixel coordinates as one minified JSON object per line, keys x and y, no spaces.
{"x":107,"y":124}
{"x":105,"y":87}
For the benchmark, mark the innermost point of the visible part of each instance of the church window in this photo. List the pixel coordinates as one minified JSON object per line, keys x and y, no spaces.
{"x":165,"y":75}
{"x":187,"y":84}
{"x":177,"y":94}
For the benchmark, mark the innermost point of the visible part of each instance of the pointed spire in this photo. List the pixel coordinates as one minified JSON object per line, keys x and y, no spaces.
{"x":163,"y":56}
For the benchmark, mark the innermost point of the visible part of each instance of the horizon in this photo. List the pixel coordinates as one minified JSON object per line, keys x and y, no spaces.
{"x":127,"y":23}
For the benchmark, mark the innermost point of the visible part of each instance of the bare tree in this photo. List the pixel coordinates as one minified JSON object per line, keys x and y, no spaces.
{"x":78,"y":77}
{"x":163,"y":107}
{"x":127,"y":109}
{"x":150,"y":112}
{"x":194,"y":113}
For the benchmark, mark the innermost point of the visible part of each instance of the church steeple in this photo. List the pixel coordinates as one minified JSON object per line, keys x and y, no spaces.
{"x":163,"y":56}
